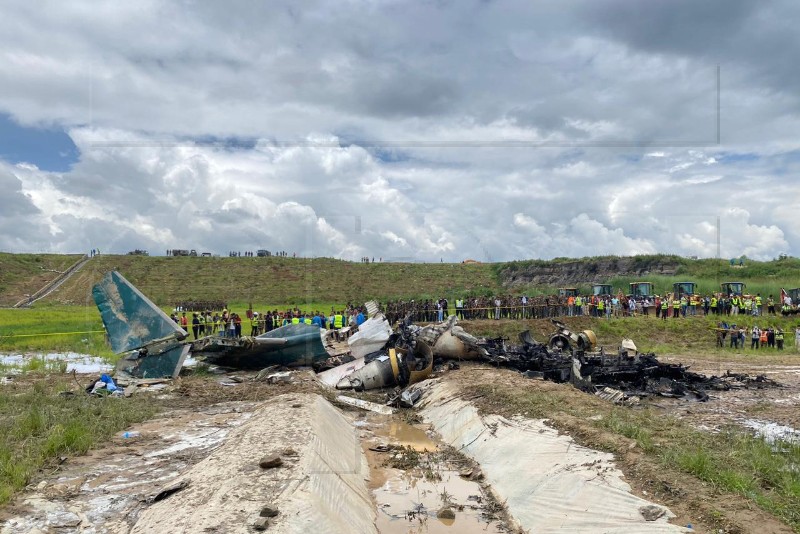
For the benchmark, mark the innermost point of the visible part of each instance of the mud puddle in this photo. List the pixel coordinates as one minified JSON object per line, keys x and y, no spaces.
{"x":61,"y":361}
{"x":420,"y":485}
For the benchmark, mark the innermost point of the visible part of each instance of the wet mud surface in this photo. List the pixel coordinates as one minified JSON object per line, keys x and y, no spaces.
{"x":420,"y":485}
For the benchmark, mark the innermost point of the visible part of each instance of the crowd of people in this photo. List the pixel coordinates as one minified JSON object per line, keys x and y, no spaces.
{"x":198,"y":318}
{"x":737,"y":336}
{"x":608,"y":306}
{"x":229,"y":324}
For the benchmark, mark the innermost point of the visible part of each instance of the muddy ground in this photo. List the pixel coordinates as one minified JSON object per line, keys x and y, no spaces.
{"x":108,"y":487}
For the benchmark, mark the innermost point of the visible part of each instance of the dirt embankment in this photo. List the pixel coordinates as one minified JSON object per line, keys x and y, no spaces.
{"x":585,"y":271}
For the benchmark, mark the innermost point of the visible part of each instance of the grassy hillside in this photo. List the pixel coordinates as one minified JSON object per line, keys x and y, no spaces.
{"x":320,"y":282}
{"x":22,"y":274}
{"x":273,"y":281}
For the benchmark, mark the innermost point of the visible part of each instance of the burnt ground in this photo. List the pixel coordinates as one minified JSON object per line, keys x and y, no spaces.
{"x":779,"y":405}
{"x":692,"y":500}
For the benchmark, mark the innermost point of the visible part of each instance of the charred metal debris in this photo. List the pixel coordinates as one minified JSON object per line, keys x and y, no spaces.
{"x":413,"y":353}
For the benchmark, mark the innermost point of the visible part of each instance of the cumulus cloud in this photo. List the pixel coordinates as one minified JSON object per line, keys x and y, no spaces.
{"x":439,"y":130}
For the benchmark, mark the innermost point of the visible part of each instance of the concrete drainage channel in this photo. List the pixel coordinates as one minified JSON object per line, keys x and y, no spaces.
{"x":296,"y":463}
{"x":419,"y":484}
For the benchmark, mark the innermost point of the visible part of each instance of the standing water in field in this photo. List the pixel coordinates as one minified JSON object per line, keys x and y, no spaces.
{"x":55,"y":361}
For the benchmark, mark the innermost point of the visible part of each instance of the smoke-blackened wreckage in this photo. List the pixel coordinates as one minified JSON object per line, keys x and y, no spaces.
{"x":380,"y":356}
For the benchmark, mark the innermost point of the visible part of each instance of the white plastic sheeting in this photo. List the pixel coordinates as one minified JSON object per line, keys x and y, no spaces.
{"x":372,"y":335}
{"x":321,"y":486}
{"x":548,"y":482}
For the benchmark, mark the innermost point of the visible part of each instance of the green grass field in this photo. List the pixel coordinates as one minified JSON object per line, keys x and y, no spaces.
{"x":52,"y":418}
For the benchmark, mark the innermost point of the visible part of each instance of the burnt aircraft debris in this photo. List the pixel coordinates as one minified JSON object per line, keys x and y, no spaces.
{"x":154,"y":346}
{"x":627,"y":370}
{"x":567,"y":357}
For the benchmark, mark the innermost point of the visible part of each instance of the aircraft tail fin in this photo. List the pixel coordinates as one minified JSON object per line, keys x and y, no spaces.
{"x":131,"y":319}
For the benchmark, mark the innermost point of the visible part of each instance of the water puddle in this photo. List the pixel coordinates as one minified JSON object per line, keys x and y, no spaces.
{"x":419,"y":484}
{"x":408,"y":502}
{"x":55,"y":361}
{"x":405,"y":435}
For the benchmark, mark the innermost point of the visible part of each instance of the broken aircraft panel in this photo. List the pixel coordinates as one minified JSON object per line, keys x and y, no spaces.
{"x":290,"y":345}
{"x":157,"y":347}
{"x":372,"y":336}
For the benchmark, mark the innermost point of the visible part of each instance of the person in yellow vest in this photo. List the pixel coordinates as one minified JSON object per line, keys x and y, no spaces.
{"x":676,"y":308}
{"x":779,"y":338}
{"x":296,"y":319}
{"x":757,"y":309}
{"x":664,"y":307}
{"x":601,"y":307}
{"x":254,"y":324}
{"x":578,"y":306}
{"x":713,"y":305}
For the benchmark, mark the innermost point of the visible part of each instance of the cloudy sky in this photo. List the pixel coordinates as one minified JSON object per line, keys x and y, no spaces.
{"x":420,"y":131}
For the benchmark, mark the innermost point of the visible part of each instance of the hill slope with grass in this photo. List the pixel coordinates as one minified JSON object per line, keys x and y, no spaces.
{"x":296,"y":281}
{"x":24,"y":274}
{"x":290,"y":281}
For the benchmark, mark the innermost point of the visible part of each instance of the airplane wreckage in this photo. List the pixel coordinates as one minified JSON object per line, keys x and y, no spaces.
{"x":154,"y":346}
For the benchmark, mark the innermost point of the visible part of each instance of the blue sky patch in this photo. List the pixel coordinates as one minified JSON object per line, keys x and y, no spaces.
{"x":733,"y":157}
{"x":49,"y":149}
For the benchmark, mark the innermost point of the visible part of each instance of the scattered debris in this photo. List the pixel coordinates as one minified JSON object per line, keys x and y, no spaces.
{"x":280,"y":378}
{"x":365,"y":405}
{"x":270,"y":461}
{"x":269,"y":510}
{"x":652,"y":512}
{"x":617,"y":397}
{"x":266,"y":372}
{"x":166,"y":492}
{"x":262,"y":523}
